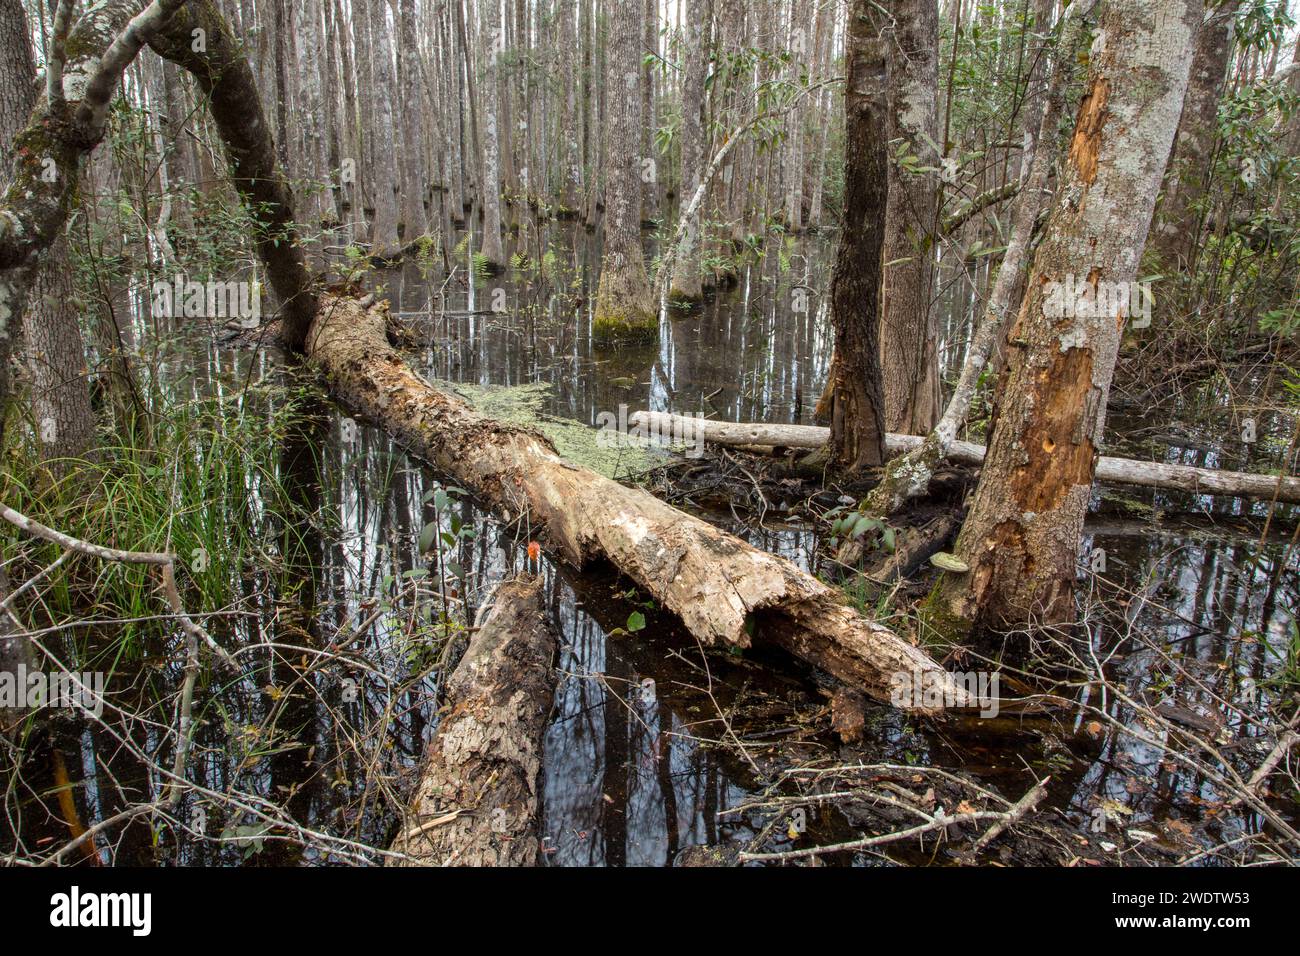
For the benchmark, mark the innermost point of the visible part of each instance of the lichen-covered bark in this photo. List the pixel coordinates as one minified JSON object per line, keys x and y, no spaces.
{"x":624,"y":304}
{"x":225,"y":76}
{"x":477,"y":802}
{"x":725,"y":591}
{"x":854,"y":392}
{"x":1021,"y":536}
{"x":56,"y":355}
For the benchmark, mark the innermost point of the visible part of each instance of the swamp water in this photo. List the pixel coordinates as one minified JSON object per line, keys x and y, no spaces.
{"x":323,"y":735}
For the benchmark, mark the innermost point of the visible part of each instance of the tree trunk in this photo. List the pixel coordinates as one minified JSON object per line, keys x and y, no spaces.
{"x":909,"y":476}
{"x":856,"y":404}
{"x":56,"y":354}
{"x":1178,"y":221}
{"x":625,"y":308}
{"x":311,"y":165}
{"x":478,"y":800}
{"x":415,"y":223}
{"x":1021,"y":536}
{"x":491,"y":249}
{"x":686,"y":282}
{"x":383,"y":233}
{"x":909,"y":328}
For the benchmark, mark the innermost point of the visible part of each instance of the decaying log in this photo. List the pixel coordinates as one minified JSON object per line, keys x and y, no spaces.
{"x":724,"y":590}
{"x":1123,"y":471}
{"x":477,"y":800}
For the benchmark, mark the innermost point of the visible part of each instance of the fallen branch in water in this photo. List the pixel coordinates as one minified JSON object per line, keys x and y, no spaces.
{"x":1124,"y":471}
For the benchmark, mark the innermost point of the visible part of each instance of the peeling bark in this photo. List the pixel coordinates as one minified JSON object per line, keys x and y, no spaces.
{"x":478,"y":800}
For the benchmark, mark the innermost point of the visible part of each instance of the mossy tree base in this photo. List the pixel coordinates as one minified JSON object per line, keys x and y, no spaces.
{"x":635,"y":329}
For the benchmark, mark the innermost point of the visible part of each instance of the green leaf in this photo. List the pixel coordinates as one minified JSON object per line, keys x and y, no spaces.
{"x":427,"y":534}
{"x":635,"y":622}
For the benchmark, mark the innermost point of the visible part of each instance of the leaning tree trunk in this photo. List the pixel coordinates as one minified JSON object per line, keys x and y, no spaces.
{"x":1021,"y":537}
{"x":909,"y":327}
{"x":856,"y":403}
{"x":1177,"y":226}
{"x":46,"y":154}
{"x":625,"y":308}
{"x":226,"y":79}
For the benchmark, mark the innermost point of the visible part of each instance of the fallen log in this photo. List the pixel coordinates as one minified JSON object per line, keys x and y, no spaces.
{"x":1123,"y":471}
{"x":724,"y":590}
{"x":478,"y":798}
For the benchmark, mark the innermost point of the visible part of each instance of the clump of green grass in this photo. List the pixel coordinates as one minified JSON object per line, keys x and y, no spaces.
{"x":208,"y":488}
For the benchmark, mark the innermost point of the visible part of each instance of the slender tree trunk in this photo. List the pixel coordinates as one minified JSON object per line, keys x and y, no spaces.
{"x":649,"y":122}
{"x":492,"y":249}
{"x":569,"y":133}
{"x":1021,"y":536}
{"x":383,"y":237}
{"x":909,"y":325}
{"x":855,"y":392}
{"x":312,"y":165}
{"x":624,"y":304}
{"x":800,"y":45}
{"x":687,"y":281}
{"x":415,"y":223}
{"x":1177,"y":227}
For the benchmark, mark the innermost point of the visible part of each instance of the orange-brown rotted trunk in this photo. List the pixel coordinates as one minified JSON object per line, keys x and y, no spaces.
{"x":1021,"y":537}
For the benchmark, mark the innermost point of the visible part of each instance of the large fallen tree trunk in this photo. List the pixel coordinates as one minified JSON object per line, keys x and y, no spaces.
{"x":724,"y":590}
{"x":478,"y":798}
{"x":1124,"y":471}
